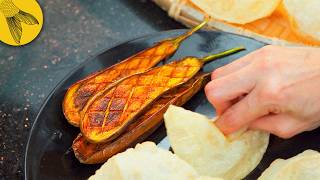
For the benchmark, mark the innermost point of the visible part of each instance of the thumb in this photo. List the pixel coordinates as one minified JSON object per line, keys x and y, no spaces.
{"x":241,"y":114}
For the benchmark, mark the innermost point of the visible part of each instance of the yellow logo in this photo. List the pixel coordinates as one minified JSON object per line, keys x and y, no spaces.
{"x":20,"y":21}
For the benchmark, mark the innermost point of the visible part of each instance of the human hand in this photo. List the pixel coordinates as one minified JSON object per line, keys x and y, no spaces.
{"x":275,"y":89}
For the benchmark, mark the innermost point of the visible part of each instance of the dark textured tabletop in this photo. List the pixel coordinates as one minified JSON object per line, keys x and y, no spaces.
{"x":73,"y":31}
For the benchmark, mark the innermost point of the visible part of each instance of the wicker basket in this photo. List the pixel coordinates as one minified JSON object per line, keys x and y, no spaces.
{"x":274,"y":29}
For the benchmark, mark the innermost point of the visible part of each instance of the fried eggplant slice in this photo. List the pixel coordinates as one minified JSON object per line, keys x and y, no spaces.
{"x":89,"y":153}
{"x":111,"y":111}
{"x":82,"y":91}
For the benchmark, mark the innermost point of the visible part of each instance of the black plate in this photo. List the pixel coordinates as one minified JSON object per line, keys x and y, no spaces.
{"x":49,"y":154}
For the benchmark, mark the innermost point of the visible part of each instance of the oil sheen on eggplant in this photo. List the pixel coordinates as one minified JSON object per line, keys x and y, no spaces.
{"x":80,"y":93}
{"x":89,"y":153}
{"x":111,"y":112}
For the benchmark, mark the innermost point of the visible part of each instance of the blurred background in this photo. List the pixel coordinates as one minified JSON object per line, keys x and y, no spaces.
{"x":73,"y":31}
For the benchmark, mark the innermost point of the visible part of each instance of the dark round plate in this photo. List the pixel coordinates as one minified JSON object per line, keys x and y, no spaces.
{"x":49,"y":154}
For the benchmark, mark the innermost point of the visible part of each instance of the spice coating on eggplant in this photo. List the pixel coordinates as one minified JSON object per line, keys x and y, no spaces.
{"x":82,"y":91}
{"x":110,"y":113}
{"x":112,"y":110}
{"x":89,"y":153}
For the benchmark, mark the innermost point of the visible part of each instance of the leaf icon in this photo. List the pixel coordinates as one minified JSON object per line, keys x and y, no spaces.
{"x":14,"y":16}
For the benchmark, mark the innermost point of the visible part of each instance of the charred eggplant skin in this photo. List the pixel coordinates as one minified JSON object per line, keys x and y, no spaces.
{"x":89,"y":153}
{"x":80,"y":93}
{"x":137,"y":131}
{"x":112,"y":111}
